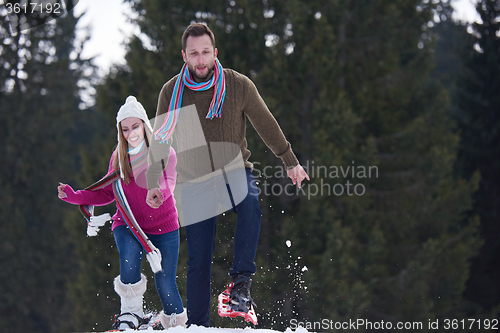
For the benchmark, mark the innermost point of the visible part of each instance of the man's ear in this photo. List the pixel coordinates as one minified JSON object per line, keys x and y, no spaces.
{"x":215,"y":53}
{"x":183,"y":55}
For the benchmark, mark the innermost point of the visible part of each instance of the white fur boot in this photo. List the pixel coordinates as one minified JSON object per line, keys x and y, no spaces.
{"x":174,"y":319}
{"x":131,"y":298}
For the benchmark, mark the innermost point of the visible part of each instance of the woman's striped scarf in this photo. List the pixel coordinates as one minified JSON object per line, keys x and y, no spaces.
{"x":153,"y":255}
{"x":215,"y":110}
{"x":136,"y":161}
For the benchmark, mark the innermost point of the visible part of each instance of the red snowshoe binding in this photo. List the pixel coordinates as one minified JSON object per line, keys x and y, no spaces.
{"x":235,"y":301}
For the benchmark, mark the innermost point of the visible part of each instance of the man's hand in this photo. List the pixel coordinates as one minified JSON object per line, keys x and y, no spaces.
{"x":154,"y":198}
{"x":297,"y":174}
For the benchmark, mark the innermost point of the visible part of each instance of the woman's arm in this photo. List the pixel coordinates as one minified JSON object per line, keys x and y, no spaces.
{"x":100,"y":197}
{"x":170,"y":174}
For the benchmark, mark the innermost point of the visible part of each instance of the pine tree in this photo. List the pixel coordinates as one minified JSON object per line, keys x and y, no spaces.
{"x":357,"y":84}
{"x":479,"y":122}
{"x":39,"y":74}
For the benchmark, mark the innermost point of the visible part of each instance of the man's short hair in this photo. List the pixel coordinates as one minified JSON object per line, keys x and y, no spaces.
{"x":197,"y":30}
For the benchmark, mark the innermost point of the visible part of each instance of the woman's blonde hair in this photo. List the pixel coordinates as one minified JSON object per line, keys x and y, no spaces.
{"x":122,"y":148}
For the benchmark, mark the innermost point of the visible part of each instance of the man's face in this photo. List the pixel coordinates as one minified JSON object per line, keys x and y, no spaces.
{"x":199,"y":56}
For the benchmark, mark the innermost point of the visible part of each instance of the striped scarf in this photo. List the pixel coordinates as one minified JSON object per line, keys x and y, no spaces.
{"x":184,"y":79}
{"x":135,"y":162}
{"x":153,"y":255}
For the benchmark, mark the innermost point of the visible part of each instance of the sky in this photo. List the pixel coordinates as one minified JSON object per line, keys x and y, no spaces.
{"x":110,"y":30}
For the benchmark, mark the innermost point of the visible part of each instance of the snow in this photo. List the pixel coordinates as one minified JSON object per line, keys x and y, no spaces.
{"x":198,"y":329}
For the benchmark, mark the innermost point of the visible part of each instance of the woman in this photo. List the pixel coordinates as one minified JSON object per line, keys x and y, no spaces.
{"x":128,"y":165}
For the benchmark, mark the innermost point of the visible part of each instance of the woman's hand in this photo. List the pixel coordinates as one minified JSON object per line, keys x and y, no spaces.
{"x":60,"y":189}
{"x":154,"y":198}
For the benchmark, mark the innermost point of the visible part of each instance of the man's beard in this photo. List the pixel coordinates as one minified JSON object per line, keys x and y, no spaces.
{"x":192,"y":70}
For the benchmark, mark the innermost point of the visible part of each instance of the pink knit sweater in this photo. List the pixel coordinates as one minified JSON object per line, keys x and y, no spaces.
{"x":151,"y":220}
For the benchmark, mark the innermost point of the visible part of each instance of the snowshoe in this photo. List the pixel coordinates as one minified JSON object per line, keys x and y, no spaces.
{"x":130,"y":319}
{"x":235,"y":301}
{"x":152,"y":321}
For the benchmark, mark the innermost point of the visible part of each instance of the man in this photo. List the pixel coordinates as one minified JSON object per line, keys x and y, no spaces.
{"x":222,"y":97}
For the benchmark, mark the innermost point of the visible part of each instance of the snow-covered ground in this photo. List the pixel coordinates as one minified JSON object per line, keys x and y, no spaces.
{"x":198,"y":329}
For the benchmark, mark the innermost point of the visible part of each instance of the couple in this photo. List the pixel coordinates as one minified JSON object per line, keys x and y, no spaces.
{"x":222,"y":98}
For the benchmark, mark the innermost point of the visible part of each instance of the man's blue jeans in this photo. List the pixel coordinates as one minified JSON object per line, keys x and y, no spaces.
{"x":131,"y":254}
{"x":201,"y":246}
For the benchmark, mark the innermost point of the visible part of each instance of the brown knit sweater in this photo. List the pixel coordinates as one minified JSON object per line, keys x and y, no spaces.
{"x":242,"y":99}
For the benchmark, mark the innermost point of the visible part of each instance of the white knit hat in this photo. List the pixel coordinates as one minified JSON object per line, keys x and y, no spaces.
{"x":131,"y":108}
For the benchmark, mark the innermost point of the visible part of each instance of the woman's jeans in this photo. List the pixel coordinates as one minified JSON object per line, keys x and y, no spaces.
{"x":201,"y":246}
{"x":131,"y":254}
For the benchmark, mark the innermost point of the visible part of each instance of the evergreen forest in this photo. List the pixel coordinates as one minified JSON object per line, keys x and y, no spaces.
{"x":392,"y":107}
